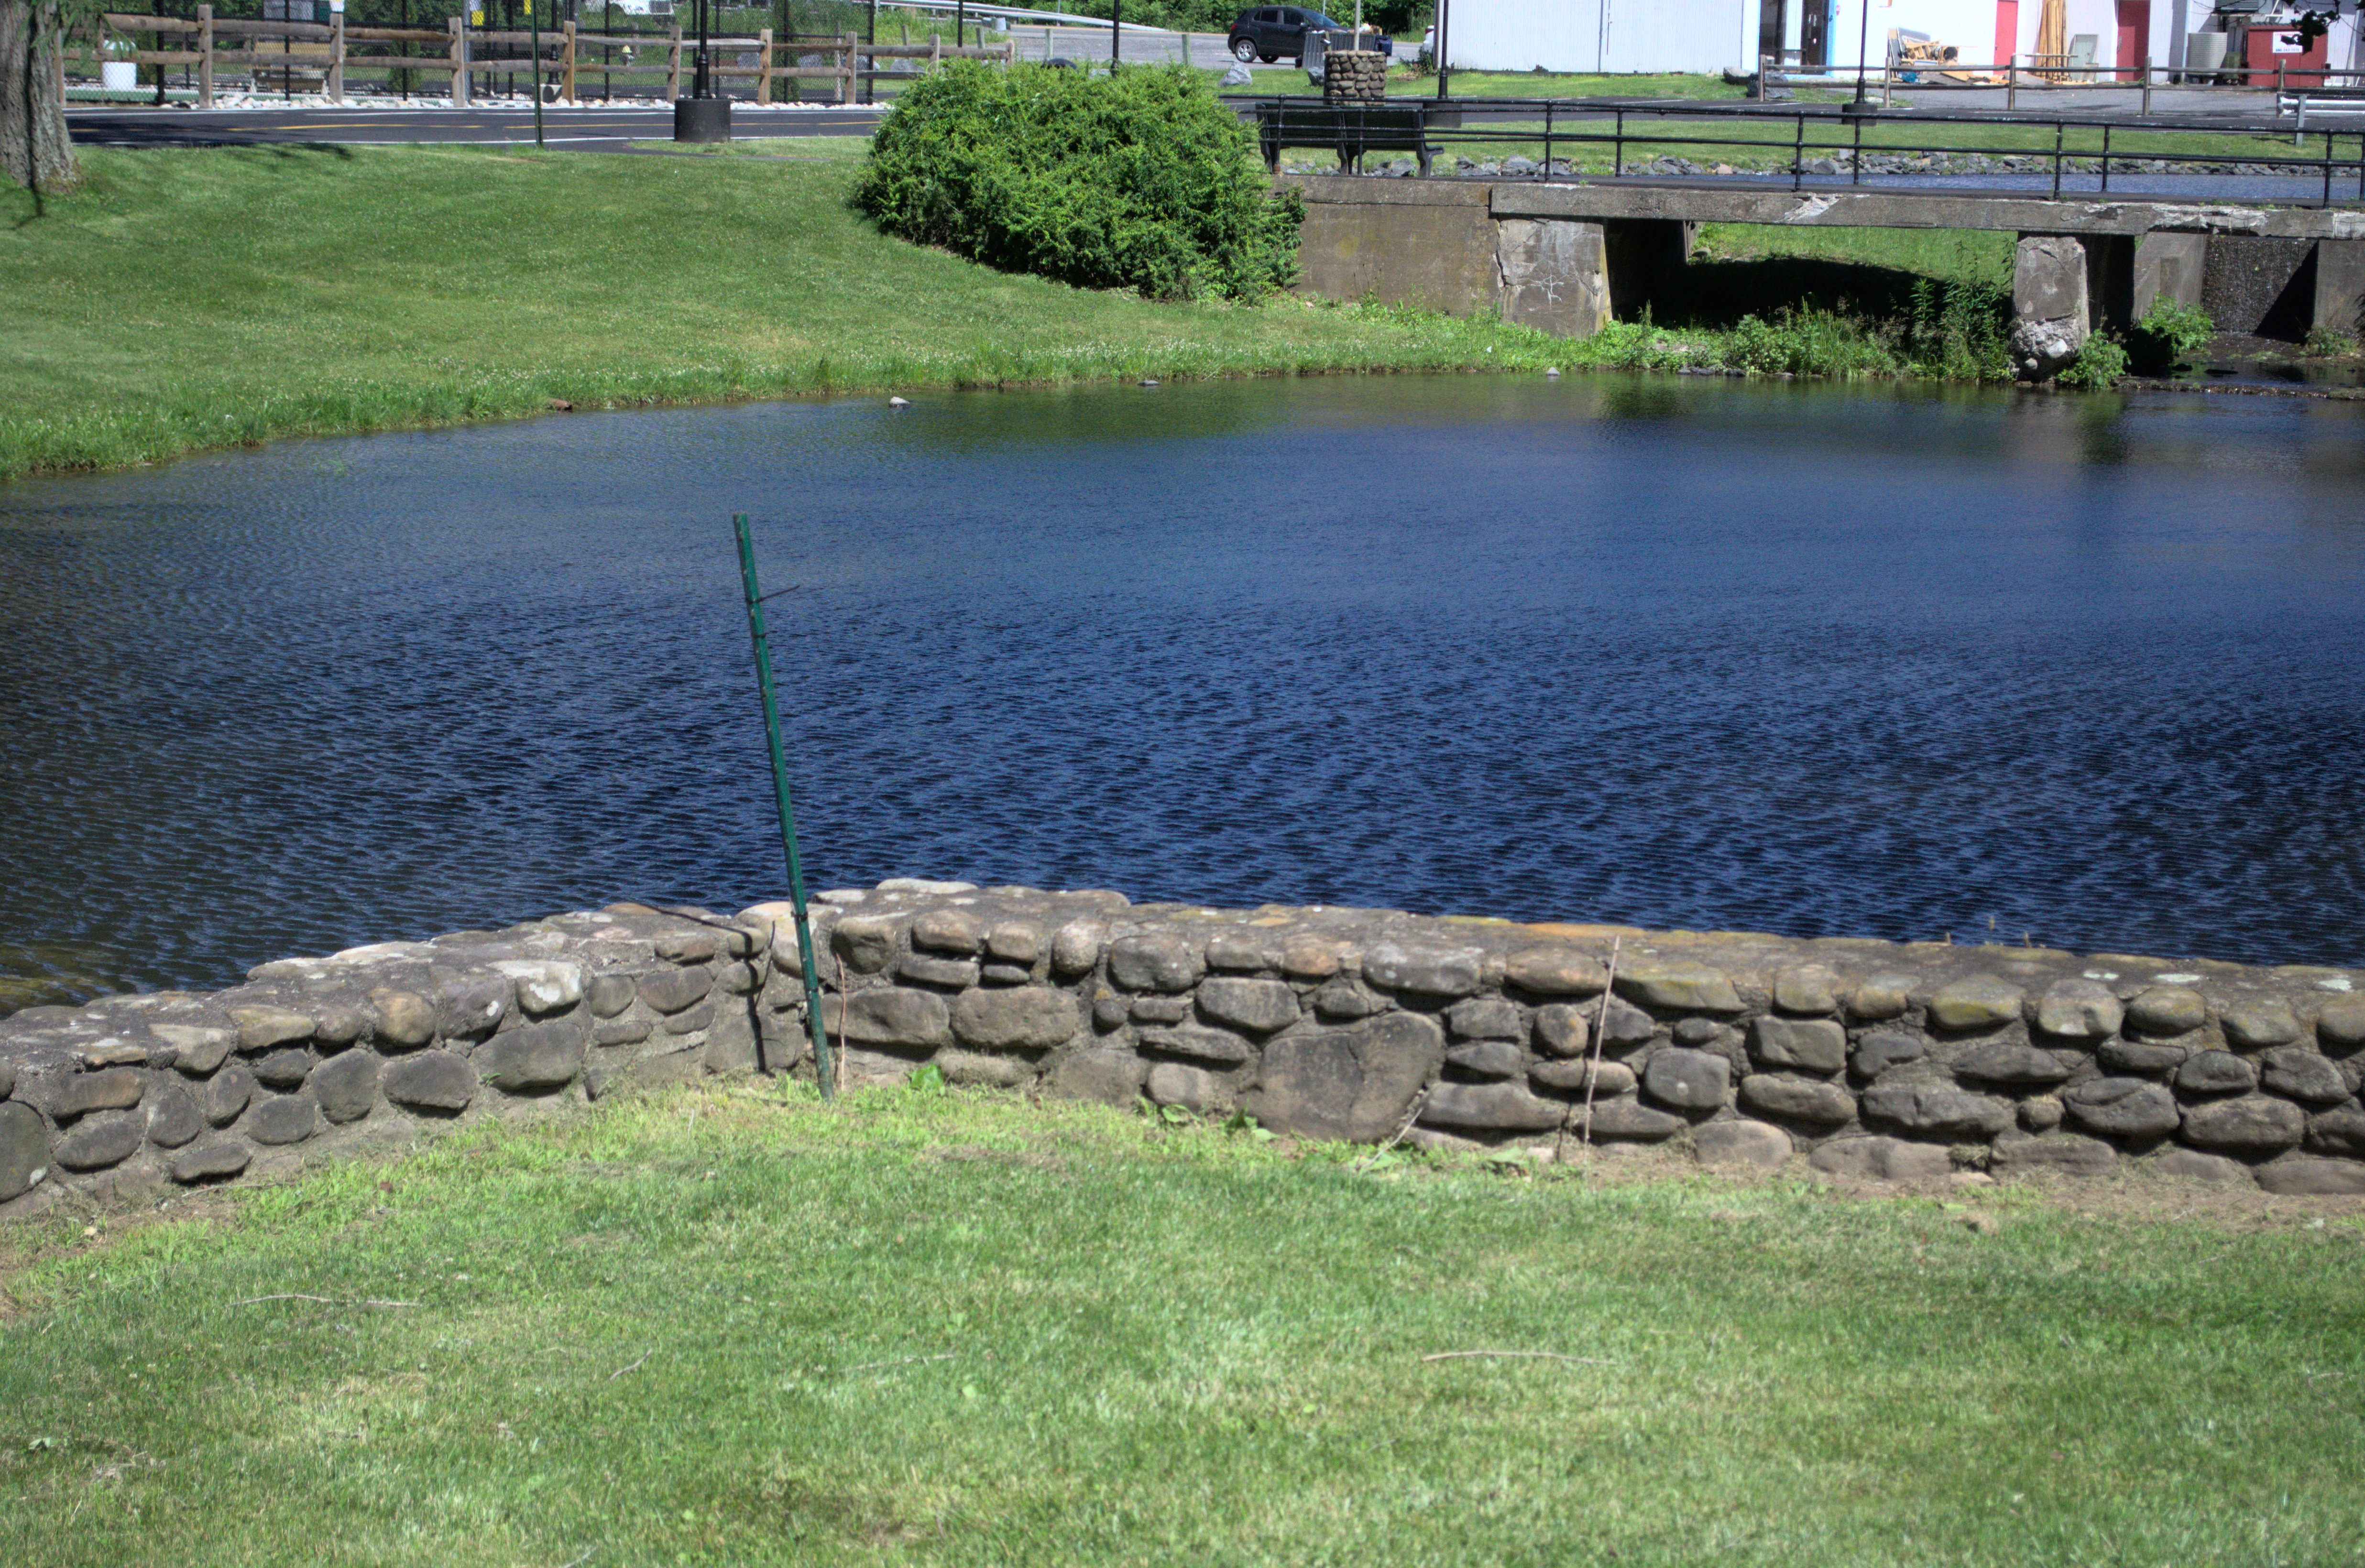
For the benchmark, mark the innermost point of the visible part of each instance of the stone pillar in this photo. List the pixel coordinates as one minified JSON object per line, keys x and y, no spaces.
{"x":2051,"y":318}
{"x":2340,"y":286}
{"x":2170,"y":267}
{"x":1358,"y":77}
{"x":1643,"y":256}
{"x":1554,"y":274}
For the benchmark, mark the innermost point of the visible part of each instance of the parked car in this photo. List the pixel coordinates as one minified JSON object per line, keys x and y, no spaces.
{"x":1266,"y":33}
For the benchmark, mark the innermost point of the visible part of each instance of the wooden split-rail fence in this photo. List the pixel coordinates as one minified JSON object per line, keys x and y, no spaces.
{"x":318,"y":55}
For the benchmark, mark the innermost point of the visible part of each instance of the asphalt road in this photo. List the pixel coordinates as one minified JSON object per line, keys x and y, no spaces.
{"x":508,"y":123}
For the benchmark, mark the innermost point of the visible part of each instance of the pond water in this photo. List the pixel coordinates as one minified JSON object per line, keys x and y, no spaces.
{"x":1675,"y":652}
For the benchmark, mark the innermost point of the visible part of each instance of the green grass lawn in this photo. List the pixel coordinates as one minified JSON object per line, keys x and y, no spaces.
{"x":721,"y":1328}
{"x":197,"y":298}
{"x":1953,"y":255}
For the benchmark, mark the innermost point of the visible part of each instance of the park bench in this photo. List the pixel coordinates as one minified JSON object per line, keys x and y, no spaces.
{"x":1350,"y":129}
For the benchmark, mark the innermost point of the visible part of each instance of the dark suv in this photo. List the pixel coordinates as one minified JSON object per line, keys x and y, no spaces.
{"x":1268,"y":32}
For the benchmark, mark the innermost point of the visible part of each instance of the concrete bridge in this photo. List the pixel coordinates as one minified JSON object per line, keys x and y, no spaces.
{"x":1569,"y":258}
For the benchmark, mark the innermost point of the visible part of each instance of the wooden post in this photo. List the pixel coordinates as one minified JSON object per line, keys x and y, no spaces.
{"x":566,"y":62}
{"x":459,"y":26}
{"x":673,"y":64}
{"x":204,"y":57}
{"x":337,"y":57}
{"x":2146,"y":86}
{"x":846,"y":68}
{"x":2011,"y":80}
{"x":764,"y":57}
{"x":936,"y":51}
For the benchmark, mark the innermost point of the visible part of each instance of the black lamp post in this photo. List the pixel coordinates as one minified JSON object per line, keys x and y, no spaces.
{"x":701,"y":117}
{"x":702,"y":84}
{"x":1862,"y":104}
{"x":1444,"y":71}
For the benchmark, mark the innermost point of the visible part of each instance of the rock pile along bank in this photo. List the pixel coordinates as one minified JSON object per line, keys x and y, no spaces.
{"x":1866,"y":1057}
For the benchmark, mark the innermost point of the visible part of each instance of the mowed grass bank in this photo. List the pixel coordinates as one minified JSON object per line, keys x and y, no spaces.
{"x":720,"y":1328}
{"x":200,"y":298}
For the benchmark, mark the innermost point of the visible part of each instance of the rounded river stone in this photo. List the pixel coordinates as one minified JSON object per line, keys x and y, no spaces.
{"x":2255,"y":1025}
{"x":1563,"y":1030}
{"x":2168,"y":1010}
{"x":2217,"y":1073}
{"x":1740,"y":1143}
{"x":1255,"y":1006}
{"x":1799,"y":1099}
{"x":1816,"y":1044}
{"x":2078,"y":1010}
{"x":1808,"y":989}
{"x":211,"y":1164}
{"x":282,"y":1119}
{"x":24,"y":1150}
{"x":102,"y":1141}
{"x":173,"y":1118}
{"x":434,"y":1080}
{"x":1152,"y":960}
{"x":1554,"y":971}
{"x":346,"y":1086}
{"x":1977,"y":1001}
{"x":2123,"y":1107}
{"x":1679,"y":988}
{"x":2253,"y":1122}
{"x":1024,"y":1018}
{"x":1693,"y":1081}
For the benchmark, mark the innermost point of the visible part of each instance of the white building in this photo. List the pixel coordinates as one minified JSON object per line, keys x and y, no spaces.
{"x":1710,"y":35}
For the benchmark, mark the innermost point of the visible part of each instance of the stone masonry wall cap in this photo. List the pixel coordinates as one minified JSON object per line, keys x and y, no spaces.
{"x":1979,"y":1002}
{"x":1679,"y":987}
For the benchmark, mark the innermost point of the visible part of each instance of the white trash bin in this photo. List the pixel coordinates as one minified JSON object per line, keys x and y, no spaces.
{"x":119,"y":76}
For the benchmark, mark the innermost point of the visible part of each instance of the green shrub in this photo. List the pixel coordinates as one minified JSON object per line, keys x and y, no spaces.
{"x":1139,"y":180}
{"x":1807,"y":342}
{"x":2099,"y":365}
{"x":1961,"y":331}
{"x":2327,"y":343}
{"x":2168,"y":335}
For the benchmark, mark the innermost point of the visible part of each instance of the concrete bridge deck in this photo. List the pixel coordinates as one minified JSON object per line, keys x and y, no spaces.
{"x":1568,"y":257}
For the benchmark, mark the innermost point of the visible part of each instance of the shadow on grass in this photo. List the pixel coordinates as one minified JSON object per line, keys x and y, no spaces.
{"x":19,"y":207}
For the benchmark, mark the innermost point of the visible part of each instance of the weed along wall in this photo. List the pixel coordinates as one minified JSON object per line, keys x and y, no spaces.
{"x":1857,"y":1056}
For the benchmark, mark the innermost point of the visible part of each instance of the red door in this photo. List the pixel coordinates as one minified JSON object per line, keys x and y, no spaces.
{"x":2134,"y":39}
{"x":2007,"y":39}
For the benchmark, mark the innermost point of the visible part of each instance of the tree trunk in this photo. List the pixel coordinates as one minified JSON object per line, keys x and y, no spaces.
{"x":34,"y":150}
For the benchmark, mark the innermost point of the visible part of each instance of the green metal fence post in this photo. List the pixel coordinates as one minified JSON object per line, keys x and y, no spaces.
{"x":813,"y":1028}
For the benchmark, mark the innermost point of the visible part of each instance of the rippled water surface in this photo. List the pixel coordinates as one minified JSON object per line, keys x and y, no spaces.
{"x":1675,"y":653}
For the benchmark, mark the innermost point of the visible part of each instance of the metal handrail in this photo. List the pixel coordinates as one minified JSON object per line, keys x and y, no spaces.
{"x":1317,"y":121}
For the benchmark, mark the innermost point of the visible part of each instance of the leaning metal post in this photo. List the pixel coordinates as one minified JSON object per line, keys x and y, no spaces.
{"x":813,"y":1029}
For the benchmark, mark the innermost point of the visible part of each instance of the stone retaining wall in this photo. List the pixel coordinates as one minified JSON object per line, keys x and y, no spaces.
{"x":1864,"y":1057}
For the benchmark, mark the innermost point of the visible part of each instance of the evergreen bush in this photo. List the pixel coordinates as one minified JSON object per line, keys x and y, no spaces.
{"x":1139,"y":180}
